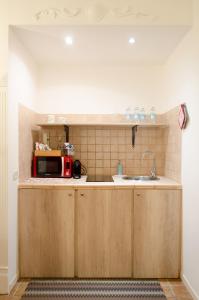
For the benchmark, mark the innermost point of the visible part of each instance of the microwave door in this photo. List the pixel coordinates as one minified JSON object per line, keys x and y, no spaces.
{"x":49,"y":167}
{"x":41,"y":166}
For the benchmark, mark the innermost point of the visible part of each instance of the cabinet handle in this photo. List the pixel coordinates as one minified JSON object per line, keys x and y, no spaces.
{"x":82,"y":194}
{"x":69,"y":195}
{"x":138,"y":195}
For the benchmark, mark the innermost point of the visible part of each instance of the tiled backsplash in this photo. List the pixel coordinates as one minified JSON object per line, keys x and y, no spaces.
{"x":101,"y":147}
{"x":54,"y":136}
{"x":173,"y":142}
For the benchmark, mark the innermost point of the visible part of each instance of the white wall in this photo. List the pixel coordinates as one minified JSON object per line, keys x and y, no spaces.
{"x":22,"y":83}
{"x":23,"y":12}
{"x":98,"y":89}
{"x":182,"y":85}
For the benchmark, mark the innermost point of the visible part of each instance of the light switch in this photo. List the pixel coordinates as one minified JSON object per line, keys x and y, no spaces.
{"x":15,"y":176}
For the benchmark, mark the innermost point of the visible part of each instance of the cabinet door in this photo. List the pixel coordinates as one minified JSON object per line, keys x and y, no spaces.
{"x":157,"y":223}
{"x":104,"y":233}
{"x":46,"y":233}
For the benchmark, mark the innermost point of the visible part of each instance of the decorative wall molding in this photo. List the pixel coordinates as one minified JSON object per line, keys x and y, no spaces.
{"x":3,"y":270}
{"x":3,"y":189}
{"x":3,"y":149}
{"x":54,"y":13}
{"x":129,"y":11}
{"x":72,"y":12}
{"x":4,"y":81}
{"x":95,"y":13}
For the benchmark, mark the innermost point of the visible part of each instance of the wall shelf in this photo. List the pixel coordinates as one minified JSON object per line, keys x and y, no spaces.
{"x":142,"y":125}
{"x":133,"y":126}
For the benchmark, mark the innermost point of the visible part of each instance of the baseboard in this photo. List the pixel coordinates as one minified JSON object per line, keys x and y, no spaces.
{"x":12,"y":282}
{"x":189,"y":287}
{"x":5,"y":285}
{"x":4,"y":281}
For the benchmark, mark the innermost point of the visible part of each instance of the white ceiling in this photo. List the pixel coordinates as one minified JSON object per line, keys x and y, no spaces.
{"x":101,"y":44}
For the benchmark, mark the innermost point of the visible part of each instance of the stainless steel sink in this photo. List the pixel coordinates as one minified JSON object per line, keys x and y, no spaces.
{"x":141,"y":178}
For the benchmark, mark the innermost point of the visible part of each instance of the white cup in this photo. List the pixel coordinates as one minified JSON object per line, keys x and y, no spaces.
{"x":61,"y":120}
{"x":51,"y":119}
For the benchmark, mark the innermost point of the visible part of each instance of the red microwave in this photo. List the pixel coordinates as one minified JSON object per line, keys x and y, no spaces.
{"x":52,"y":166}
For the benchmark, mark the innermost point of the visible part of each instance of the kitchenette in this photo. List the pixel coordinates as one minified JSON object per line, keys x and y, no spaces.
{"x":100,"y":202}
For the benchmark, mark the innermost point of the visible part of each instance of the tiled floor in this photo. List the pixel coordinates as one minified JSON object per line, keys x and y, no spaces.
{"x":173,"y":289}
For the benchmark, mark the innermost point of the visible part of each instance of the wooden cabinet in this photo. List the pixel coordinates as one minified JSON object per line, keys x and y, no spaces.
{"x":104,"y":233}
{"x":157,"y":226}
{"x":46,"y":233}
{"x":99,"y":233}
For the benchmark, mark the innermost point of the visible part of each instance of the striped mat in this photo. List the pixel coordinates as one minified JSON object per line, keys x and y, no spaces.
{"x":93,"y":289}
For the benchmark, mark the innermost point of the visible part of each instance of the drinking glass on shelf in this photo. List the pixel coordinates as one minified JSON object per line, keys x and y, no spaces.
{"x":142,"y":115}
{"x":136,"y":115}
{"x":152,"y":115}
{"x":128,"y":113}
{"x":61,"y":120}
{"x":51,"y":119}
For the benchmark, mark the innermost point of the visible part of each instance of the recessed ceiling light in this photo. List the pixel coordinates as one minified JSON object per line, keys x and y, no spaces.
{"x":68,"y":40}
{"x":131,"y":40}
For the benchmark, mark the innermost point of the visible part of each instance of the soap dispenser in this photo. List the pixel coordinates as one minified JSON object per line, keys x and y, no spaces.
{"x":119,"y":168}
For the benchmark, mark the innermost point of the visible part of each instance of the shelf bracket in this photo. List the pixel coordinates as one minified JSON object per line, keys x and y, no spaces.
{"x":134,"y":130}
{"x":66,"y":129}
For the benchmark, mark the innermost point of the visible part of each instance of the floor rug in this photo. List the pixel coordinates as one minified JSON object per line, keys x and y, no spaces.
{"x":93,"y":289}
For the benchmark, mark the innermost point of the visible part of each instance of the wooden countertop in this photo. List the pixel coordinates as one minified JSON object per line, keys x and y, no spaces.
{"x":57,"y":183}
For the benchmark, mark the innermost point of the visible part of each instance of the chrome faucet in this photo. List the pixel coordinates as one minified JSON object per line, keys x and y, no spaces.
{"x":153,"y":168}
